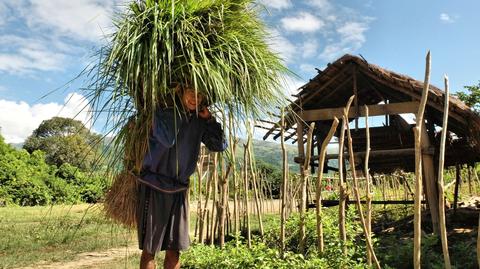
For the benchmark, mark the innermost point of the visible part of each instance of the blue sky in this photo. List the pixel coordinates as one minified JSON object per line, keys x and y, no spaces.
{"x":46,"y":43}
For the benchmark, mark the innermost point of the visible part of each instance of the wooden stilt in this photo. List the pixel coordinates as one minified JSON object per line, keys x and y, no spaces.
{"x":342,"y":185}
{"x":357,"y":196}
{"x":318,"y":193}
{"x":418,"y":168}
{"x":368,"y":184}
{"x":441,"y":198}
{"x":458,"y":179}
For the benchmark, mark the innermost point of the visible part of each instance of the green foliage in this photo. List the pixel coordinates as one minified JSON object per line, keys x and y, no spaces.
{"x":472,"y":97}
{"x":240,"y":256}
{"x":333,"y":253}
{"x":64,"y":140}
{"x":27,"y":180}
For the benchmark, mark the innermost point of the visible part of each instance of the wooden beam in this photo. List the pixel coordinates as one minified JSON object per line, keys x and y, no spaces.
{"x":375,"y":110}
{"x":411,"y":93}
{"x":298,"y":103}
{"x":377,"y":153}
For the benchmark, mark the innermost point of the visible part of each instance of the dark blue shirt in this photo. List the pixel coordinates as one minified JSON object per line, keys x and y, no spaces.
{"x":174,"y":147}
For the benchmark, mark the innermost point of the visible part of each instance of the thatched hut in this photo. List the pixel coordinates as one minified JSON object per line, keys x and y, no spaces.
{"x":390,"y":94}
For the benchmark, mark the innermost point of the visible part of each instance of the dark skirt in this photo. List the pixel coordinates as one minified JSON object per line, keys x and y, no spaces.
{"x":162,"y":220}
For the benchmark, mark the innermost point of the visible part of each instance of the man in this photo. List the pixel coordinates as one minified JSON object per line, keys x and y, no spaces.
{"x":174,"y":145}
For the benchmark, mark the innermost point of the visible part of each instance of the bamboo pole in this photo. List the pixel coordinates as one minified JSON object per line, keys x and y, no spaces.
{"x":245,"y":184}
{"x":233,"y":145}
{"x":224,"y":204}
{"x":203,"y":224}
{"x":418,"y":168}
{"x":199,"y":198}
{"x":318,"y":193}
{"x":478,"y":242}
{"x":254,"y":180}
{"x":458,"y":179}
{"x":357,"y":196}
{"x":368,"y":184}
{"x":341,"y":183}
{"x":303,"y":196}
{"x":214,"y":198}
{"x":441,"y":191}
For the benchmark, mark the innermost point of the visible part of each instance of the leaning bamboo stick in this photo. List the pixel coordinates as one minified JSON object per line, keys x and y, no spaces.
{"x":233,"y":146}
{"x":203,"y":224}
{"x":341,"y":183}
{"x":478,"y":242}
{"x":245,"y":184}
{"x":303,"y":192}
{"x":417,"y":231}
{"x":441,"y":191}
{"x":214,"y":198}
{"x":357,"y":196}
{"x":318,"y":193}
{"x":254,"y":180}
{"x":368,"y":184}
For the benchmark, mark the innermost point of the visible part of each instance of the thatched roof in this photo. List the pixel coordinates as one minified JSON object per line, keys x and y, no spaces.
{"x":332,"y":87}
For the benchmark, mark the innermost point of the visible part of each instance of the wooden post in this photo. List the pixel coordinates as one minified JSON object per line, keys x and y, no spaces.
{"x":245,"y":184}
{"x":214,"y":198}
{"x":341,"y":183}
{"x":357,"y":196}
{"x":418,"y":169}
{"x":284,"y":183}
{"x":303,"y":191}
{"x":469,"y":179}
{"x":203,"y":223}
{"x":318,"y":193}
{"x":233,"y":145}
{"x":368,"y":183}
{"x":458,"y":179}
{"x":478,"y":242}
{"x":441,"y":198}
{"x":254,"y":179}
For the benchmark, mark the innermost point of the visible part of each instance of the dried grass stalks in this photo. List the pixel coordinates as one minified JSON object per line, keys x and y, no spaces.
{"x":121,"y":199}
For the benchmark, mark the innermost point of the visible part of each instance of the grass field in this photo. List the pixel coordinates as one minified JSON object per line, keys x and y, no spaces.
{"x":32,"y":235}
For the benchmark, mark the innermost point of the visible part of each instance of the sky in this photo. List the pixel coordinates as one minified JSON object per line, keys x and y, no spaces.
{"x":44,"y":44}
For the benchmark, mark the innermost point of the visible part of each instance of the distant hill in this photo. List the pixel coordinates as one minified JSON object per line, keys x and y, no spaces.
{"x":17,"y":145}
{"x":270,"y":152}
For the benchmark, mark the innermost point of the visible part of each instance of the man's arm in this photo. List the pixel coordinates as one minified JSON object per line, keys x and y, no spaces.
{"x":166,"y":126}
{"x":213,"y":136}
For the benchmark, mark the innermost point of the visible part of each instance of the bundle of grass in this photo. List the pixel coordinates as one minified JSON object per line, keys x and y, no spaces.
{"x":120,"y":201}
{"x":217,"y":47}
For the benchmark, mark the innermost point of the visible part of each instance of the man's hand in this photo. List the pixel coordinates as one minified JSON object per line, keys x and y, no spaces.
{"x":205,"y":113}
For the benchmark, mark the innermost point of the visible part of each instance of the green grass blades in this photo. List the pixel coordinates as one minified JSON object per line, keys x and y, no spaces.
{"x":220,"y":48}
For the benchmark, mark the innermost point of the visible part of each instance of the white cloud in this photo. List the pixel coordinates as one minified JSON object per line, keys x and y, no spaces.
{"x":277,"y":4}
{"x":291,"y":87}
{"x":3,"y":13}
{"x":19,"y":119}
{"x":353,"y":33}
{"x":80,"y":20}
{"x":281,"y":45}
{"x":322,"y":5}
{"x":307,"y":68}
{"x":446,"y":18}
{"x":309,"y":48}
{"x":351,"y":38}
{"x":23,"y":55}
{"x":304,"y":22}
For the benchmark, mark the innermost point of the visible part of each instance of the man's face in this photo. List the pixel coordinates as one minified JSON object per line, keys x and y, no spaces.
{"x":189,"y":100}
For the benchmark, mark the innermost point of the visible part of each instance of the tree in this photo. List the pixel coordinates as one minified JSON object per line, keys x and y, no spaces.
{"x":64,"y":140}
{"x":472,"y":97}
